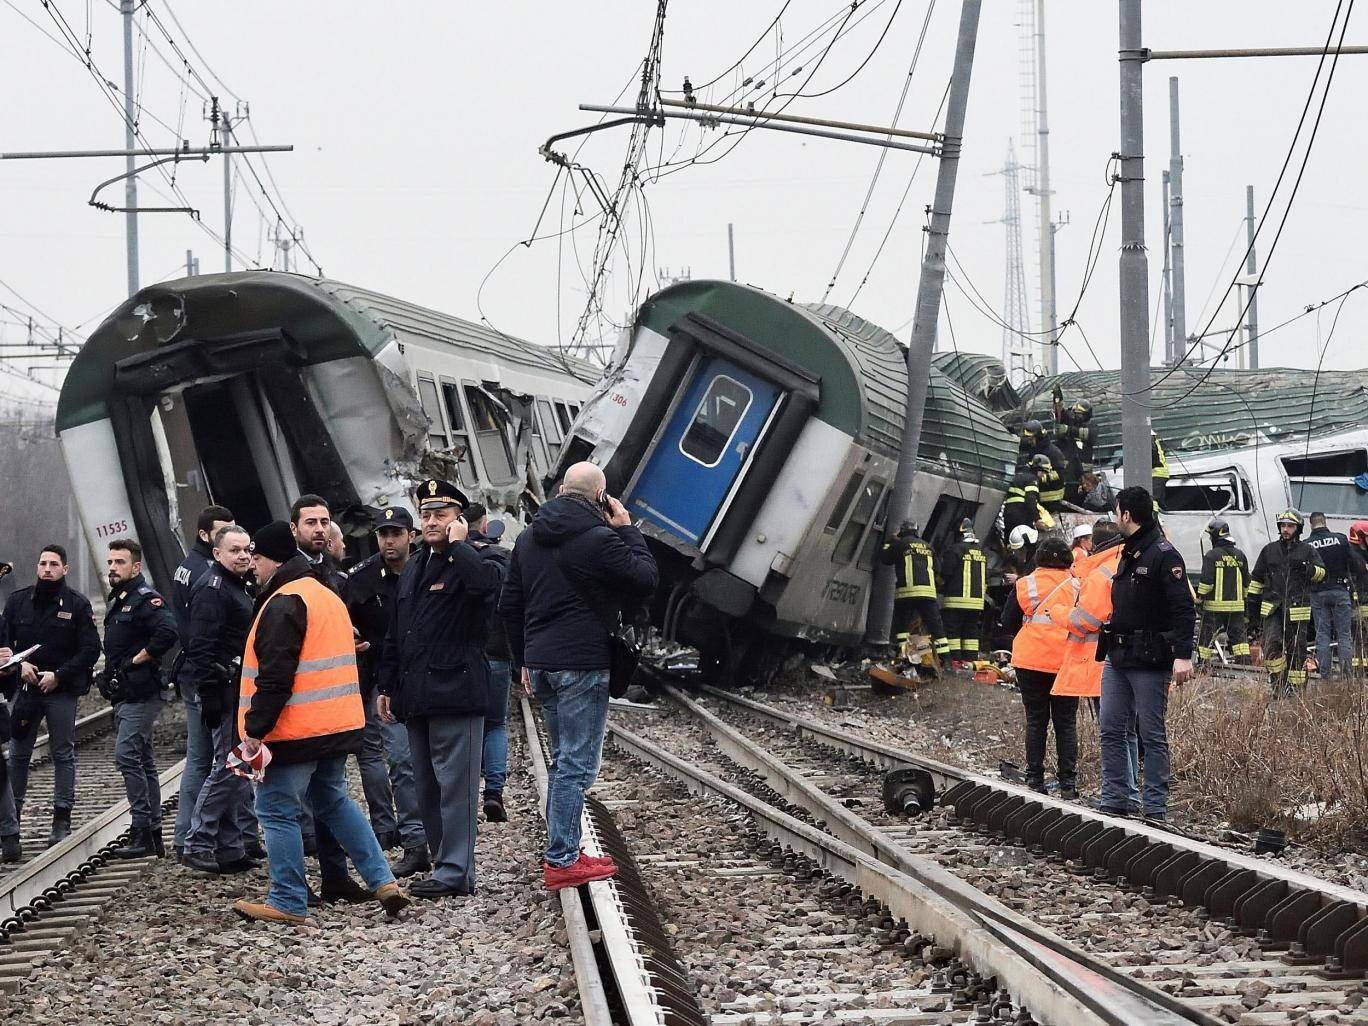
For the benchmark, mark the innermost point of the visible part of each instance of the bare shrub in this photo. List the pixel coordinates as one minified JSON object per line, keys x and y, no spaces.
{"x":1255,"y":761}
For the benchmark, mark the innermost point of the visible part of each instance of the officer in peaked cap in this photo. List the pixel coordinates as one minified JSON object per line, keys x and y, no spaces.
{"x":385,"y":762}
{"x":434,"y":678}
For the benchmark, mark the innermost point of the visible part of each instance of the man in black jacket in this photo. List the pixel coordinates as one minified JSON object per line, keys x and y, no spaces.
{"x":1332,"y":605}
{"x":434,"y":678}
{"x":1149,"y":644}
{"x":57,"y":618}
{"x":385,"y":762}
{"x":1282,"y":579}
{"x":198,"y":742}
{"x":139,"y":632}
{"x":580,"y":558}
{"x":223,"y":830}
{"x":494,"y":762}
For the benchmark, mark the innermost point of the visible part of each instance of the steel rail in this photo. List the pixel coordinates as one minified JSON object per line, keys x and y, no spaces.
{"x":1123,"y":999}
{"x":889,"y":757}
{"x":1025,"y":968}
{"x":593,"y":997}
{"x":1315,"y":919}
{"x":54,"y":868}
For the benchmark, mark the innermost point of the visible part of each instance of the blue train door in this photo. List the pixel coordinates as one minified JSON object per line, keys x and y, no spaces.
{"x":701,"y":452}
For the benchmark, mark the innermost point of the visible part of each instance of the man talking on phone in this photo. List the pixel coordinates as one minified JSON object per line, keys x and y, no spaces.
{"x":580,"y":555}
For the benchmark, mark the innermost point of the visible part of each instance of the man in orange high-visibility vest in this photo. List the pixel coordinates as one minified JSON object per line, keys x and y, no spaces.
{"x":301,"y":698}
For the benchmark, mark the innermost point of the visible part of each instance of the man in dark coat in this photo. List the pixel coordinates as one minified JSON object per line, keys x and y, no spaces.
{"x":434,"y":678}
{"x":198,"y":740}
{"x":1282,"y":579}
{"x":59,"y":620}
{"x":571,"y":573}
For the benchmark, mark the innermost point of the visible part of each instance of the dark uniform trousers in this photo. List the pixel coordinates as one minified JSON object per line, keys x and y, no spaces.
{"x":906,"y":612}
{"x":1041,"y":709}
{"x":1282,"y":578}
{"x":1236,"y":631}
{"x":962,"y":630}
{"x":138,"y":618}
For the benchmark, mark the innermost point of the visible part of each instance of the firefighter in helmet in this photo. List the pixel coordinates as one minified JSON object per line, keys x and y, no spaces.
{"x":1282,"y":579}
{"x":1221,"y":592}
{"x":915,"y":566}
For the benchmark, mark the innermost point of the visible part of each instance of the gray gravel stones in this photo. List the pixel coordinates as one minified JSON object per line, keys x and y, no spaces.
{"x":169,"y":951}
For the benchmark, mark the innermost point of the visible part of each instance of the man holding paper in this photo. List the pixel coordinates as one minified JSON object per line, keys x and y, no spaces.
{"x":60,"y":622}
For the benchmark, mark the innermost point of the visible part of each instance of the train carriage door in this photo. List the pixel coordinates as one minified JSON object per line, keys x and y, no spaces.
{"x":703,"y":449}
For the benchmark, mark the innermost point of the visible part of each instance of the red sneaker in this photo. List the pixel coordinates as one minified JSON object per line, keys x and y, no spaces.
{"x":581,"y":872}
{"x":597,"y":860}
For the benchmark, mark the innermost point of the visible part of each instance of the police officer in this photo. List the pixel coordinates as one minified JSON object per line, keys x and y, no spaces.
{"x":494,"y":760}
{"x":1148,"y":644}
{"x":223,"y":830}
{"x":1282,"y":579}
{"x":385,"y":762}
{"x":1332,"y":607}
{"x":139,"y":632}
{"x":59,"y":620}
{"x":198,"y":742}
{"x":1221,"y":591}
{"x":915,"y":566}
{"x":964,"y":585}
{"x":433,"y":677}
{"x":1358,"y":556}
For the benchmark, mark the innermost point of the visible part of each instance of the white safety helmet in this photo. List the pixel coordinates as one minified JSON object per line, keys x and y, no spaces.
{"x":1021,"y":536}
{"x":1082,"y":531}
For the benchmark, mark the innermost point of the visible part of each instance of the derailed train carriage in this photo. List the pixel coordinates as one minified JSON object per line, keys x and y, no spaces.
{"x":251,"y":388}
{"x":755,"y":440}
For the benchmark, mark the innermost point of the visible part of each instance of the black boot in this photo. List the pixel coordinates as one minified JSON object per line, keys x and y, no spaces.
{"x":494,"y":807}
{"x":345,"y":889}
{"x":415,"y":860}
{"x":10,"y":851}
{"x":139,"y":845}
{"x":61,"y":826}
{"x":158,"y":844}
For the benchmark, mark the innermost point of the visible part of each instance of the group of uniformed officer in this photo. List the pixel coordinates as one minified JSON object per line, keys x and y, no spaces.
{"x":427,"y":641}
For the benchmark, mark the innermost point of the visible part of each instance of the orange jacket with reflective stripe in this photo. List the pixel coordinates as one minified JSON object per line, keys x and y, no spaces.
{"x":1039,"y":645}
{"x":1080,"y":674}
{"x":325,"y":697}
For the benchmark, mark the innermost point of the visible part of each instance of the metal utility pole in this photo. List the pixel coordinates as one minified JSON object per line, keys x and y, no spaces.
{"x":1166,"y":276}
{"x":130,"y":140}
{"x":1016,"y":320}
{"x":1134,"y":265}
{"x":1252,"y":271}
{"x":927,"y":313}
{"x":731,"y":251}
{"x":1175,"y":241}
{"x":1048,"y":316}
{"x":191,"y":264}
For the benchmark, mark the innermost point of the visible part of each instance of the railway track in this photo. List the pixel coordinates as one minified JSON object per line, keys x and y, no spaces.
{"x":1191,"y":964}
{"x":57,"y":891}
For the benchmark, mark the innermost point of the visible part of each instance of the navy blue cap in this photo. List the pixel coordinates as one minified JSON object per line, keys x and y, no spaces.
{"x":394,"y":516}
{"x":435,"y":493}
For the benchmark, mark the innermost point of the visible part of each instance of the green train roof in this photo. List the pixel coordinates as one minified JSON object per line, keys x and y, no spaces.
{"x":330,"y":319}
{"x":1194,"y":409}
{"x":862,"y":369}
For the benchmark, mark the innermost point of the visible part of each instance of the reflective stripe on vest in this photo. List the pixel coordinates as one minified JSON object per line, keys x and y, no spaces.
{"x":917,"y":555}
{"x":1039,"y":645}
{"x":1053,"y":488}
{"x":973,"y":584}
{"x":326,"y":696}
{"x":1227,"y":596}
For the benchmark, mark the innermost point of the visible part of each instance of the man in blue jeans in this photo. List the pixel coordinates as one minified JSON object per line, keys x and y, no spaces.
{"x":580,"y":558}
{"x":1148,"y":644}
{"x":301,"y":699}
{"x":1332,"y":608}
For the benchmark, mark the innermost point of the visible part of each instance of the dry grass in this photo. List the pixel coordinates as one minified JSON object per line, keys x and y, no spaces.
{"x":1239,"y":756}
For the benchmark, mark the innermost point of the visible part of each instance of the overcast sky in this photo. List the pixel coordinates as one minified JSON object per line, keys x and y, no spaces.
{"x":416,"y":127}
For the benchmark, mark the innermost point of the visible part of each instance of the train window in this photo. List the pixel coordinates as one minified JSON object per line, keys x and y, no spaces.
{"x":1325,"y":481}
{"x":875,"y":533}
{"x":860,"y":516}
{"x":432,"y":410}
{"x":489,"y":435}
{"x":460,"y":437}
{"x":1208,"y":493}
{"x":563,"y":412}
{"x":551,"y":430}
{"x":715,"y":421}
{"x":848,"y":494}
